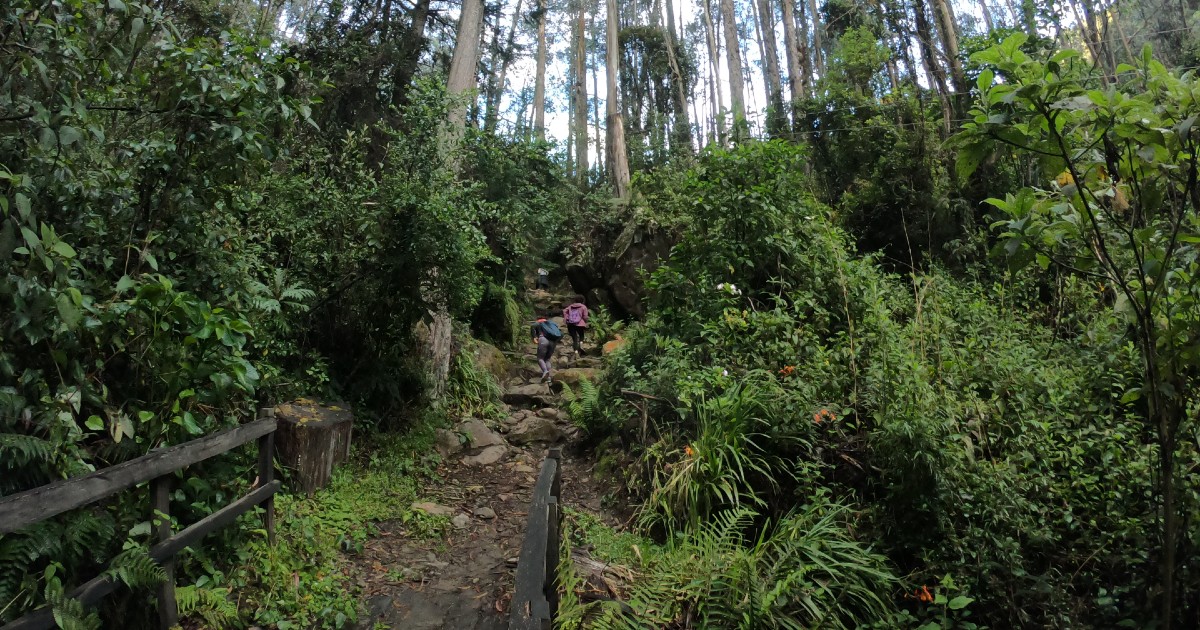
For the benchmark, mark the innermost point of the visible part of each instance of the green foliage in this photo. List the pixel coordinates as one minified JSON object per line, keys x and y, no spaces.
{"x":945,"y":411}
{"x":803,"y":571}
{"x":473,"y":391}
{"x":586,"y":408}
{"x":1121,"y":212}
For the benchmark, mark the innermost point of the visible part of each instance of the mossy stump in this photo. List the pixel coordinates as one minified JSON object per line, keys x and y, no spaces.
{"x":312,"y":439}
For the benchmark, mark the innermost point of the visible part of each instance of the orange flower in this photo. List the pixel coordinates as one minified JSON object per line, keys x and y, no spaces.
{"x":924,"y":595}
{"x":824,"y":414}
{"x":688,"y":450}
{"x":788,"y":370}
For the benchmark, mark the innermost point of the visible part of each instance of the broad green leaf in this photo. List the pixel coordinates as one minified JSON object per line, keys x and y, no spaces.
{"x":94,"y":423}
{"x":63,"y":249}
{"x":960,"y":602}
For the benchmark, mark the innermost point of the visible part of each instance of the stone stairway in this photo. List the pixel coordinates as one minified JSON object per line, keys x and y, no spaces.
{"x":464,"y":582}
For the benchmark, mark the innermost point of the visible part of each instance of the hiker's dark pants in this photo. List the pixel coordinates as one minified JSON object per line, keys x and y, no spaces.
{"x":543,"y":282}
{"x":576,"y":337}
{"x":545,"y":352}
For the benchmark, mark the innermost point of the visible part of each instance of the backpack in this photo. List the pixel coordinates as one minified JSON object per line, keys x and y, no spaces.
{"x":575,"y":315}
{"x":551,"y":330}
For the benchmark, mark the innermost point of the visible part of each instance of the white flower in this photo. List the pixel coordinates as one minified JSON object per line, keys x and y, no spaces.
{"x":724,"y":372}
{"x":720,"y":286}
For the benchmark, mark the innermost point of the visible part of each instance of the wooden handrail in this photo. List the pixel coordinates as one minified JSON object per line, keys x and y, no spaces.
{"x":535,"y":593}
{"x":157,"y":467}
{"x":39,"y":504}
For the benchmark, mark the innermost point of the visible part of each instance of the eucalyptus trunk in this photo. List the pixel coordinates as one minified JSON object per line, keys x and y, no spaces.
{"x":796,"y":86}
{"x":618,"y":159}
{"x":579,"y":88}
{"x":776,"y":116}
{"x":714,"y":52}
{"x":496,"y":91}
{"x":682,"y":136}
{"x":944,"y":14}
{"x":818,"y":38}
{"x":410,"y":52}
{"x":459,"y":84}
{"x":539,"y":86}
{"x":930,"y":61}
{"x":733,"y":57}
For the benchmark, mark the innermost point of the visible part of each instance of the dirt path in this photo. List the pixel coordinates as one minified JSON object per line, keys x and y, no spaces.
{"x":464,"y":580}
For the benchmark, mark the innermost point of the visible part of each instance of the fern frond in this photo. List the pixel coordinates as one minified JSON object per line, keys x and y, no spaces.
{"x":210,"y":604}
{"x":17,"y":451}
{"x":136,"y":568}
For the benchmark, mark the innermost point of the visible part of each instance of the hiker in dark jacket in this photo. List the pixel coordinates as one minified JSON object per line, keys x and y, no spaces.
{"x":543,"y":332}
{"x":576,"y":317}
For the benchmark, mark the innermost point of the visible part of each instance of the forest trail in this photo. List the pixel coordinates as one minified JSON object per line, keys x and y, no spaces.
{"x":464,"y":580}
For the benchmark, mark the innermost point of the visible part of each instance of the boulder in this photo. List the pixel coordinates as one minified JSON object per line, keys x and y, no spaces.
{"x":460,"y":521}
{"x":433,"y":509}
{"x":572,"y":376}
{"x":478,"y":434}
{"x":491,"y":359}
{"x":485,"y":513}
{"x":487,"y":456}
{"x":447,"y":442}
{"x":532,"y":394}
{"x":534,"y":429}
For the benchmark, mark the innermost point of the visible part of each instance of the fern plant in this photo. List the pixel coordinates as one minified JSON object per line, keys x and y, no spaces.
{"x":210,"y":604}
{"x":586,"y":408}
{"x":806,"y":571}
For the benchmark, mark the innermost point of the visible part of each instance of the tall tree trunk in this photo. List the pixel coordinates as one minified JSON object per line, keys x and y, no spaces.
{"x":580,"y":97}
{"x":929,"y":58}
{"x":987,"y":16}
{"x":539,"y":86}
{"x":776,"y":115}
{"x":733,"y":57}
{"x":618,"y":159}
{"x":714,"y":51}
{"x":682,"y":136}
{"x":410,"y":52}
{"x":804,"y":50}
{"x":460,"y":82}
{"x":796,"y":85}
{"x":944,"y":14}
{"x":818,"y":35}
{"x":496,"y":90}
{"x":596,"y":87}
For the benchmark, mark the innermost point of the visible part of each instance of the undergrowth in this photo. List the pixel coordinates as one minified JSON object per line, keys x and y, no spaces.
{"x":306,"y":580}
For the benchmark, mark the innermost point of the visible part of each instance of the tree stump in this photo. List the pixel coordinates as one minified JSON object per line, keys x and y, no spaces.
{"x":312,"y":439}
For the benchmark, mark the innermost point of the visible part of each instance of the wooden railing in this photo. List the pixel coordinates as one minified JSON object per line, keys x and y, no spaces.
{"x":158,"y":468}
{"x":535,"y":595}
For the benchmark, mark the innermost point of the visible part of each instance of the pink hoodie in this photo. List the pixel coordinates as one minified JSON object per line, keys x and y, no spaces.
{"x":583,"y":314}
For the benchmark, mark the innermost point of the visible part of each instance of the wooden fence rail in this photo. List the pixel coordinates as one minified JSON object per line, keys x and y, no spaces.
{"x":156,"y":467}
{"x":535,"y":596}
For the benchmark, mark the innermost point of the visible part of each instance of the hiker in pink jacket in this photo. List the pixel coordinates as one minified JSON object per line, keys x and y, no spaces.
{"x":576,"y":316}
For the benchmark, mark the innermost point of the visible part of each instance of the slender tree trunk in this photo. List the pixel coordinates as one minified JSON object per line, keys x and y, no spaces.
{"x":460,"y":83}
{"x":987,"y":16}
{"x":804,"y":50}
{"x":796,"y":85}
{"x":776,"y":114}
{"x":618,"y":159}
{"x":714,"y":52}
{"x":682,"y":136}
{"x":410,"y":52}
{"x":539,"y":86}
{"x":929,"y":57}
{"x":580,"y":94}
{"x":496,"y":94}
{"x":733,"y":57}
{"x":818,"y":39}
{"x":596,"y":88}
{"x":944,"y":14}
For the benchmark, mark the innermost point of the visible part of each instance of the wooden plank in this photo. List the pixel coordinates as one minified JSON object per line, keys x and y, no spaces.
{"x":38,"y":504}
{"x":168,"y":608}
{"x":530,"y":608}
{"x":266,"y":474}
{"x":96,"y":589}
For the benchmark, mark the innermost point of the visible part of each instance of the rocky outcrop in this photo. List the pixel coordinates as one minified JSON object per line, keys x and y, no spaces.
{"x":535,"y":429}
{"x":609,"y":272}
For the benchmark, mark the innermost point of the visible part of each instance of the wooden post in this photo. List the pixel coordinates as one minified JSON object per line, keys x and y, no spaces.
{"x":266,"y":474}
{"x":168,"y":609}
{"x":552,"y":552}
